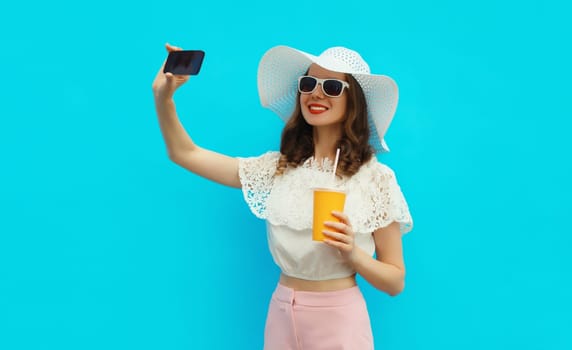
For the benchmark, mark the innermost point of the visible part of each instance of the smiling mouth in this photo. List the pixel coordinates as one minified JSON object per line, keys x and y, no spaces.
{"x":315,"y":109}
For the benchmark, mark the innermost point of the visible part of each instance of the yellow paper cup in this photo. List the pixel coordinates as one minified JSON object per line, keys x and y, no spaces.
{"x":325,"y":201}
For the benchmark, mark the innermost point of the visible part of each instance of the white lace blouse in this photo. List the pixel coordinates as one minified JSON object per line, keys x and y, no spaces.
{"x":373,"y":200}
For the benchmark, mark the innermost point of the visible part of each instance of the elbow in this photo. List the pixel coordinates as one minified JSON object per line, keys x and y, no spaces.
{"x":396,"y":289}
{"x":178,"y":157}
{"x":173,"y":157}
{"x":181,"y":155}
{"x":397,"y":286}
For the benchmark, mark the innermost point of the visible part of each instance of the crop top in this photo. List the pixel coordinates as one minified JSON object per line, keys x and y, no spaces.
{"x":373,"y":200}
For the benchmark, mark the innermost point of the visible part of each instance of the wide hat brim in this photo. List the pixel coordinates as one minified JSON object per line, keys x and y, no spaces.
{"x":278,"y":74}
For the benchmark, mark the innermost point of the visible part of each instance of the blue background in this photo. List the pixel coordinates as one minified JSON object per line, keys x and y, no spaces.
{"x":105,"y":244}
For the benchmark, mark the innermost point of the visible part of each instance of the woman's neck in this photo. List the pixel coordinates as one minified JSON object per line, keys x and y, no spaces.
{"x":325,"y":141}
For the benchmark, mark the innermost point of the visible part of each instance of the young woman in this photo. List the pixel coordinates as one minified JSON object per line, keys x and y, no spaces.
{"x":328,"y":102}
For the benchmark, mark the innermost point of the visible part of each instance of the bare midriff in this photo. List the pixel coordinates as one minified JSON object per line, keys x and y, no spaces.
{"x":318,"y":286}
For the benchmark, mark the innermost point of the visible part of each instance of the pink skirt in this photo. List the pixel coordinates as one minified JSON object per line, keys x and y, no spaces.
{"x":299,"y":320}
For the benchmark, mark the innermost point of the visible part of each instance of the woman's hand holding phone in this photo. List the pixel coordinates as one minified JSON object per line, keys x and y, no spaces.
{"x":165,"y":84}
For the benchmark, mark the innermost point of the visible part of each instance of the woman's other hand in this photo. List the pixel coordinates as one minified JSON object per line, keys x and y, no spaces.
{"x":341,"y":236}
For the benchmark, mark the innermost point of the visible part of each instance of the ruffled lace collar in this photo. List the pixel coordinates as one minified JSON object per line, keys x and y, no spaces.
{"x":325,"y":164}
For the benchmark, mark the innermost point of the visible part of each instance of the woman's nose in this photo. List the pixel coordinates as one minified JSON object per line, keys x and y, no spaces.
{"x":318,"y":92}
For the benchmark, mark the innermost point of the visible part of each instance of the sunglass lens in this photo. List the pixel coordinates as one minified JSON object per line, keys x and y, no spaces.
{"x":333,"y":87}
{"x":307,"y":84}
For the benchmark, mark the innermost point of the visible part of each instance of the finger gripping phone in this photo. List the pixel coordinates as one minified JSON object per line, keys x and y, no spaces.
{"x":185,"y":62}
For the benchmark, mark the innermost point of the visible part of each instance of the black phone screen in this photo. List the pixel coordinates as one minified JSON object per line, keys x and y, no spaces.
{"x":187,"y":62}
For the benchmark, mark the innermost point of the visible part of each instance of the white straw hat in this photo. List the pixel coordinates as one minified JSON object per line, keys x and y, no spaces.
{"x":281,"y":66}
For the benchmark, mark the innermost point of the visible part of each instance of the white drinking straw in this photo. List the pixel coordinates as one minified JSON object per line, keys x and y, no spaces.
{"x":335,"y":165}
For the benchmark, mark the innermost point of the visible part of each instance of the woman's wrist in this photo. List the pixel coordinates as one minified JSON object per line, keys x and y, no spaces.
{"x":163,"y":98}
{"x":358,"y":258}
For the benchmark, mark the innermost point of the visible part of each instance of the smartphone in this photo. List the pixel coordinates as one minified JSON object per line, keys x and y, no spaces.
{"x":186,"y":62}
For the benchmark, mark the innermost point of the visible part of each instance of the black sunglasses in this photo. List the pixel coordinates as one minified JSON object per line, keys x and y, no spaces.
{"x":331,"y":87}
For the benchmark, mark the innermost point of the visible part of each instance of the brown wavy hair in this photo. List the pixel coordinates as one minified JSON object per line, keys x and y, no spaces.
{"x":297,"y":143}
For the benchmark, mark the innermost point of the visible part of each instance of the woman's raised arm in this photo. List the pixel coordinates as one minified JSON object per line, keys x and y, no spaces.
{"x":180,"y":147}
